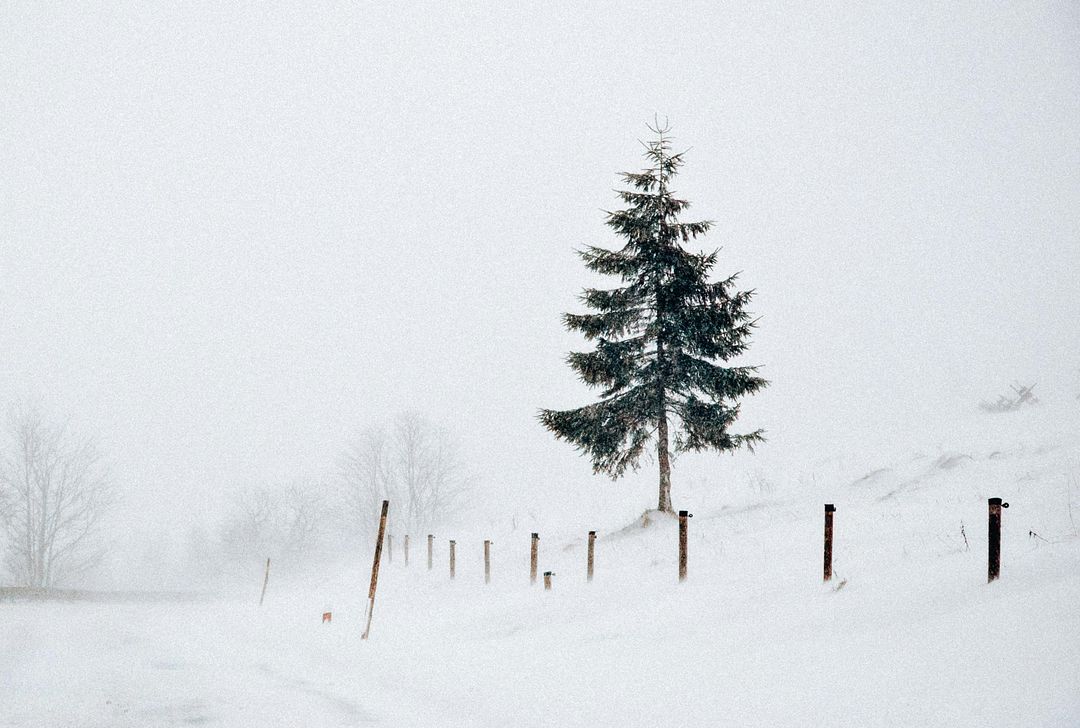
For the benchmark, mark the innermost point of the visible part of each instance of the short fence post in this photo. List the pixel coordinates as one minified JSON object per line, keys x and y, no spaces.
{"x":266,"y":578}
{"x":452,"y":560}
{"x":487,"y":561}
{"x":592,"y":545}
{"x":993,"y":566}
{"x":829,"y":510}
{"x":533,"y":554}
{"x":547,"y":580}
{"x":430,"y":540}
{"x":389,"y":549}
{"x":406,"y":549}
{"x":683,"y":517}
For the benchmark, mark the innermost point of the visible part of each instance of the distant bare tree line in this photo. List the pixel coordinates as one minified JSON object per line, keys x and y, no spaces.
{"x":412,"y":462}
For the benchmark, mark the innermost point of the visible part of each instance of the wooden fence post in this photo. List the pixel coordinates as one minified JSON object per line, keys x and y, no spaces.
{"x":683,"y":517}
{"x":993,"y":562}
{"x":533,"y":554}
{"x":487,"y":561}
{"x":592,"y":545}
{"x":406,"y":549}
{"x":375,"y":568}
{"x":430,"y":541}
{"x":829,"y":510}
{"x":452,"y":558}
{"x":547,"y":580}
{"x":389,"y":548}
{"x":266,"y":578}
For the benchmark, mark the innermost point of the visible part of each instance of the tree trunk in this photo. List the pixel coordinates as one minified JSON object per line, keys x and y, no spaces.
{"x":664,"y":458}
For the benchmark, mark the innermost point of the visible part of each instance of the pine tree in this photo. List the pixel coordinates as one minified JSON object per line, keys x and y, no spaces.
{"x":657,"y":337}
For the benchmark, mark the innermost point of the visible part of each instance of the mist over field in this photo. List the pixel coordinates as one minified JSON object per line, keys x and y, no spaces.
{"x":242,"y":244}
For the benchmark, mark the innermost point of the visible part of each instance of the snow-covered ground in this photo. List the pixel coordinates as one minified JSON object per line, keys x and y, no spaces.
{"x":915,"y":636}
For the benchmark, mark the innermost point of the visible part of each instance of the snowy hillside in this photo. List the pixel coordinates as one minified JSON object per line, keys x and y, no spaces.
{"x":913,"y":637}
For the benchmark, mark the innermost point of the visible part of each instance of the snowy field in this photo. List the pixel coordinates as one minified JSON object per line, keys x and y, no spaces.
{"x":915,"y":637}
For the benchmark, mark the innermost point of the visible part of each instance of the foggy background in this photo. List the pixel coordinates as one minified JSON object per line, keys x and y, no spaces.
{"x":232,"y":236}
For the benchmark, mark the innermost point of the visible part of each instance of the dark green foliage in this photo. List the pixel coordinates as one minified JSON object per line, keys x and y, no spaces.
{"x":659,"y":336}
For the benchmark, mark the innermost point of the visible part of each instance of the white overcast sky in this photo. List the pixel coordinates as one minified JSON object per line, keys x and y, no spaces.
{"x":233,"y":234}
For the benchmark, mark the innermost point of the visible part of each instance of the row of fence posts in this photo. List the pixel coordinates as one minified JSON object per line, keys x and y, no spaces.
{"x":993,"y":552}
{"x":993,"y":556}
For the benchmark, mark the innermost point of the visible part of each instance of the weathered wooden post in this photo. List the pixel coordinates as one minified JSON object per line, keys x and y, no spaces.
{"x":993,"y":566}
{"x":487,"y":561}
{"x":592,"y":546}
{"x":430,"y":541}
{"x":547,"y":580}
{"x":406,"y":549}
{"x":683,"y":517}
{"x":266,"y":578}
{"x":452,"y":558}
{"x":375,"y":568}
{"x":389,"y":548}
{"x":829,"y":510}
{"x":533,"y":554}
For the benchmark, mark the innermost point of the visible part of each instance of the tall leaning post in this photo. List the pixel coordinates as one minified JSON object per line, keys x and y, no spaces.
{"x":829,"y":510}
{"x":592,"y":548}
{"x":683,"y":518}
{"x":993,"y":561}
{"x":375,"y":568}
{"x":533,"y":556}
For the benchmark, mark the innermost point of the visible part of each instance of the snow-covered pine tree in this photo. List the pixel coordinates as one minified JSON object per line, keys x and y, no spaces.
{"x":658,"y":337}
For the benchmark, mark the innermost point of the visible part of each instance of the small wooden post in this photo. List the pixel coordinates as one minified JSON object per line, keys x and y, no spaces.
{"x":375,"y":568}
{"x":533,"y":554}
{"x":592,"y":546}
{"x":266,"y":578}
{"x":487,"y":561}
{"x":389,"y":548}
{"x":547,"y":580}
{"x":993,"y":565}
{"x":406,"y":549}
{"x":683,"y":517}
{"x":829,"y":510}
{"x":430,"y":541}
{"x":452,"y":560}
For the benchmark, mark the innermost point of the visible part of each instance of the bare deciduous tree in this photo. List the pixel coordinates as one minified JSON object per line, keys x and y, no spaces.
{"x":284,"y":522}
{"x":415,"y":466}
{"x":54,"y":492}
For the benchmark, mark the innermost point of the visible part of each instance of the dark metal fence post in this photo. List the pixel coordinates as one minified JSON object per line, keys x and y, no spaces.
{"x":487,"y":561}
{"x":683,"y":517}
{"x":533,"y":555}
{"x":993,"y":566}
{"x":452,"y":560}
{"x":592,"y":545}
{"x":829,"y":510}
{"x":430,"y":541}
